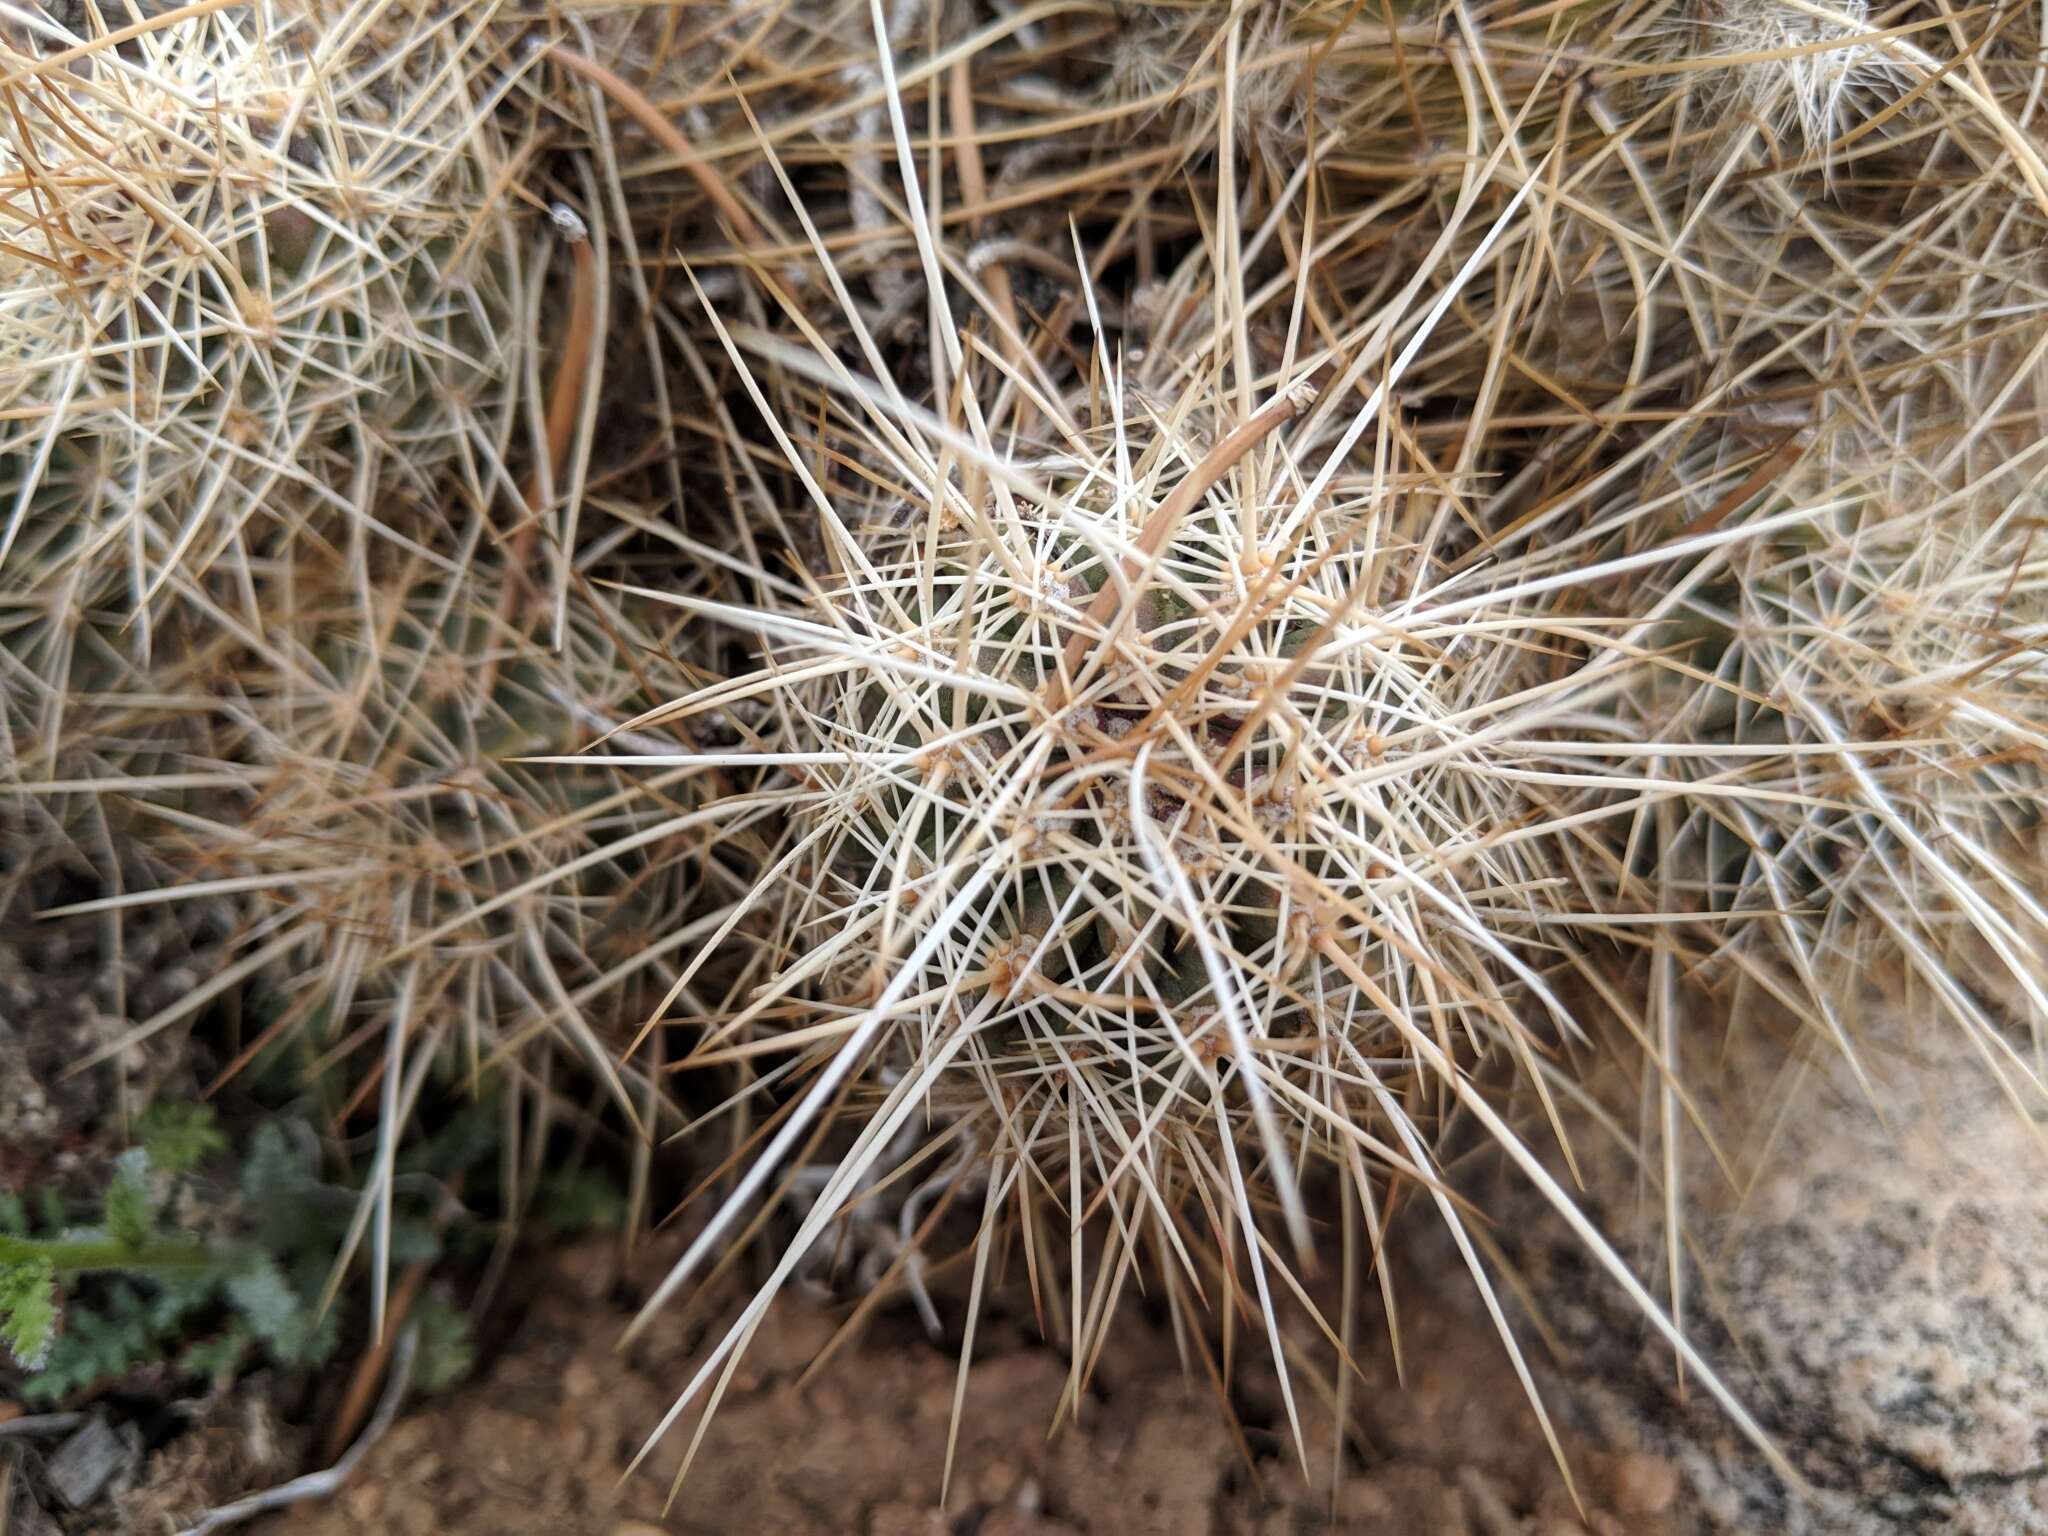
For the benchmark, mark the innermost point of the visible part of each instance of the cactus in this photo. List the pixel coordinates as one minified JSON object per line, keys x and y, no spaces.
{"x":275,"y":311}
{"x":1309,"y":538}
{"x":1886,"y":654}
{"x":1175,"y":817}
{"x":400,"y":900}
{"x":1798,"y":75}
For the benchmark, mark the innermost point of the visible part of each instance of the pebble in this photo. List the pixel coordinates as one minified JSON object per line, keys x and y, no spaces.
{"x":363,"y":1502}
{"x":1643,"y":1484}
{"x":995,"y":1481}
{"x":94,"y":1457}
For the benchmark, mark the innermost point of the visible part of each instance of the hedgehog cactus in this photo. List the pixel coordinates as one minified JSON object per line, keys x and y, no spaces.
{"x":1098,"y":835}
{"x":1173,"y":813}
{"x":275,"y":306}
{"x":1281,"y":72}
{"x":394,"y":897}
{"x":1798,"y":74}
{"x":1885,"y":657}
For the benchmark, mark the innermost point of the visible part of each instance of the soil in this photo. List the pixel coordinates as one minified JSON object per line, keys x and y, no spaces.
{"x":541,"y":1439}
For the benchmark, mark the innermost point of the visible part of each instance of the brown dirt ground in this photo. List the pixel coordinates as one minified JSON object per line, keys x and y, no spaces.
{"x":540,"y":1440}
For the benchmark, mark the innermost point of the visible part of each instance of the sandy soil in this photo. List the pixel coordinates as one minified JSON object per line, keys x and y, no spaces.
{"x":540,"y":1440}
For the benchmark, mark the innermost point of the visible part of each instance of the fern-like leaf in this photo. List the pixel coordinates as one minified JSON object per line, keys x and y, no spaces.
{"x":131,"y":1204}
{"x":179,"y":1137}
{"x":28,"y":1310}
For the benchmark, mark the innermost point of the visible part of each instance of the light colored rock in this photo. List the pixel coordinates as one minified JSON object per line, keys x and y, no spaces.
{"x":1878,"y":1299}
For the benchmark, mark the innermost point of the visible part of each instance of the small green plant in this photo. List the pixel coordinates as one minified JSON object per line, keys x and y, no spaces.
{"x":35,"y":1269}
{"x":28,"y":1308}
{"x":179,"y":1137}
{"x":84,"y":1306}
{"x":209,"y":1258}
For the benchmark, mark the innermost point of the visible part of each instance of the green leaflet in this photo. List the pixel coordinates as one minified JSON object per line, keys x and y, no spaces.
{"x":28,"y":1310}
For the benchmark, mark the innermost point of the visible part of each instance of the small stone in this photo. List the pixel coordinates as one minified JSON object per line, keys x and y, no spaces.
{"x":830,"y":1401}
{"x":1643,"y":1484}
{"x":995,"y":1481}
{"x":363,"y":1502}
{"x":589,"y":1269}
{"x":579,"y":1380}
{"x":639,"y":1528}
{"x":1364,"y":1504}
{"x":86,"y":1464}
{"x":407,"y":1439}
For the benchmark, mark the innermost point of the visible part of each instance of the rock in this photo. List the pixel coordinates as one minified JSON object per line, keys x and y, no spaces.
{"x":1417,"y":1498}
{"x":94,"y":1460}
{"x":995,"y":1481}
{"x":364,"y":1503}
{"x":1642,"y":1485}
{"x":1879,"y":1300}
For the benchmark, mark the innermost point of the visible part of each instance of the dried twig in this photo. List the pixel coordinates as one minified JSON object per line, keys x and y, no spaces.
{"x":31,"y":1425}
{"x":322,"y":1485}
